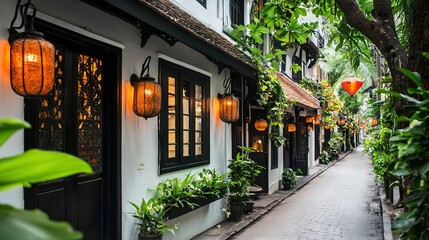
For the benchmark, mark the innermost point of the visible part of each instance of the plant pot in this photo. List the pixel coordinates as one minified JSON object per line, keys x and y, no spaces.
{"x":286,"y":186}
{"x":153,"y":237}
{"x":248,"y":206}
{"x":236,"y":210}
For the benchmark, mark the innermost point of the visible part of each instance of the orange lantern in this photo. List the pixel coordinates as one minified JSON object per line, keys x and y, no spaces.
{"x":309,"y":119}
{"x":147,"y":93}
{"x":261,"y":124}
{"x":352,"y":85}
{"x":316,"y":122}
{"x":309,"y":127}
{"x":342,"y":122}
{"x":374,"y":122}
{"x":326,"y":127}
{"x":32,"y":58}
{"x":228,"y":108}
{"x":291,"y":127}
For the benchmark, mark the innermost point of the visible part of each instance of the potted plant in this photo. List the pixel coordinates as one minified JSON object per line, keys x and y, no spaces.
{"x":151,"y":216}
{"x":242,"y":174}
{"x":289,"y":178}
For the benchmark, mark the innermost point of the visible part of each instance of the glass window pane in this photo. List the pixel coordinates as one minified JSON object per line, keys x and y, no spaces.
{"x":171,"y":102}
{"x":186,"y":89}
{"x":198,"y":149}
{"x":185,"y":137}
{"x":198,"y":137}
{"x":185,"y":150}
{"x":171,"y":151}
{"x":198,"y":124}
{"x":185,"y":106}
{"x":171,"y":137}
{"x":185,"y":122}
{"x":171,"y":85}
{"x":171,"y":121}
{"x":198,"y":108}
{"x":198,"y":92}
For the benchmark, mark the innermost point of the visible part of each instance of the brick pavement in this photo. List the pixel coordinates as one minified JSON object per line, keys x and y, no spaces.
{"x":341,"y":203}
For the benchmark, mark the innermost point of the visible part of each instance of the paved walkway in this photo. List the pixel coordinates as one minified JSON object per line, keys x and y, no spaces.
{"x":341,"y":203}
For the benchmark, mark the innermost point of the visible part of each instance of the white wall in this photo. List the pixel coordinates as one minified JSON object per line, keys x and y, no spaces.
{"x":11,"y":105}
{"x":139,"y":136}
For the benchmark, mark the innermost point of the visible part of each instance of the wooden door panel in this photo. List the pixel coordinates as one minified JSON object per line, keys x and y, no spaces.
{"x":53,"y":203}
{"x":90,"y":224}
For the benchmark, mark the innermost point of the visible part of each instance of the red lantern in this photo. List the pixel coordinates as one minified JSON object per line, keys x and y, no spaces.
{"x":352,"y":85}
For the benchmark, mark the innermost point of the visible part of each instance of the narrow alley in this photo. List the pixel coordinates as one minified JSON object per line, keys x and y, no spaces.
{"x":341,"y":203}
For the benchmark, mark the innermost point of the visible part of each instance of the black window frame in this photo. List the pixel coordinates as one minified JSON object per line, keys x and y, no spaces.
{"x":236,"y":11}
{"x":203,"y":3}
{"x":181,"y":74}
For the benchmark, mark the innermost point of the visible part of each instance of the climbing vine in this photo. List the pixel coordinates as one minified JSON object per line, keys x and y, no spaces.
{"x":279,"y":20}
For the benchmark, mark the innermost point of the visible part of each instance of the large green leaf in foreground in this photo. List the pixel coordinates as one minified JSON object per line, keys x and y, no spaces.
{"x":37,"y":166}
{"x":18,"y":224}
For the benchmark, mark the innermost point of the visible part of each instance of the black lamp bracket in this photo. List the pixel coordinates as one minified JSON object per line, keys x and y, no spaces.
{"x":145,"y":67}
{"x":27,"y":19}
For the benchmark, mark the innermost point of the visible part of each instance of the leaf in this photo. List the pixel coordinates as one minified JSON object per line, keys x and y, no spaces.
{"x":38,"y":165}
{"x":414,"y":76}
{"x":9,"y":126}
{"x":32,"y":224}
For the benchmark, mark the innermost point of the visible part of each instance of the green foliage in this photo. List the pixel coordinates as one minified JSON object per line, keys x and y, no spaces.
{"x":289,"y":177}
{"x":151,"y":215}
{"x":242,"y":174}
{"x":30,"y":167}
{"x":324,"y":158}
{"x":280,"y":20}
{"x":183,"y":192}
{"x":335,"y":142}
{"x":411,"y":145}
{"x":176,"y":192}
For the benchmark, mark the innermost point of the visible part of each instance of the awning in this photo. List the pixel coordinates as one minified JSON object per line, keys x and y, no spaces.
{"x":166,"y":17}
{"x":296,"y":93}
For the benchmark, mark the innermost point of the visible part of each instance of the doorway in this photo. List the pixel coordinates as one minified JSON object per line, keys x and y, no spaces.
{"x":81,"y":116}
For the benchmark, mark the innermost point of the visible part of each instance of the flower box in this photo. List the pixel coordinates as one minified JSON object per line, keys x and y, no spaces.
{"x":175,"y":212}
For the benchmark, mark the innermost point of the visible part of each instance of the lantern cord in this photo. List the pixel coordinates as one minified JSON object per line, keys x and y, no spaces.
{"x":145,"y":66}
{"x":23,"y":11}
{"x":227,"y":85}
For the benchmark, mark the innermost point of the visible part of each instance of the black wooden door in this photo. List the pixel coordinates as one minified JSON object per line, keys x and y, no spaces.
{"x":301,"y":160}
{"x":80,"y":117}
{"x":259,"y":143}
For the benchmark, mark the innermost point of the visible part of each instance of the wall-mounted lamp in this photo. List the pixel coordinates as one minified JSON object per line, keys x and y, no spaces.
{"x":261,"y":124}
{"x":317,"y":120}
{"x":291,"y":127}
{"x":147,"y":93}
{"x":32,"y":58}
{"x":309,"y":119}
{"x":228,"y":104}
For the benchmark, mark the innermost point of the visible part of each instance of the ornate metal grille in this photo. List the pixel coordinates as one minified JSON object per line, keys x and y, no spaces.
{"x":51,"y":110}
{"x":89,"y":110}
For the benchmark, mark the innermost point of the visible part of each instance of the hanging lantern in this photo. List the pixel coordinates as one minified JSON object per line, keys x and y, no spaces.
{"x":32,"y":58}
{"x":228,"y":108}
{"x":342,"y":122}
{"x":374,"y":122}
{"x":316,"y":122}
{"x":291,"y":127}
{"x":147,"y":93}
{"x":326,"y":127}
{"x":309,"y":127}
{"x":352,"y":85}
{"x":309,"y":119}
{"x":261,"y":124}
